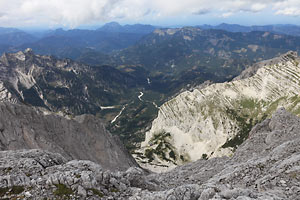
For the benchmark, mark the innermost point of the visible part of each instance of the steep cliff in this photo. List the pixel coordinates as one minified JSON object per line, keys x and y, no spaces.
{"x":213,"y":121}
{"x":83,"y":137}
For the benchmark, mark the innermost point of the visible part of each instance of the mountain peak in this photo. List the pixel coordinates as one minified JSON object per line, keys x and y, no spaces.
{"x":112,"y":24}
{"x":115,"y":27}
{"x":28,"y":50}
{"x":111,"y":27}
{"x":291,"y":54}
{"x":250,"y":71}
{"x":283,"y":58}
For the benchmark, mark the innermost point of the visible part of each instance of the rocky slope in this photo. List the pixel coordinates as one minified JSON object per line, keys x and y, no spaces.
{"x":213,"y":121}
{"x":266,"y":166}
{"x":83,"y":137}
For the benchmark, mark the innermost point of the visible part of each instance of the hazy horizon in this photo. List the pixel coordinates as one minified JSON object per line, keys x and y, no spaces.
{"x":94,"y":13}
{"x":94,"y":27}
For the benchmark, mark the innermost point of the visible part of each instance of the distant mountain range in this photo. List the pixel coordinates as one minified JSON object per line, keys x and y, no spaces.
{"x":221,"y":53}
{"x":111,"y":37}
{"x":286,"y":29}
{"x":11,"y":37}
{"x":8,"y":30}
{"x":135,"y":28}
{"x":73,"y":43}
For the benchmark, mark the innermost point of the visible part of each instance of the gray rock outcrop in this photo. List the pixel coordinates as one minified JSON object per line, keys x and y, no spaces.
{"x":266,"y":166}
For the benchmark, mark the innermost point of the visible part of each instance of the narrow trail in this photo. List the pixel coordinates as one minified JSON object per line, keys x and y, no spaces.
{"x":113,"y":121}
{"x":140,"y":96}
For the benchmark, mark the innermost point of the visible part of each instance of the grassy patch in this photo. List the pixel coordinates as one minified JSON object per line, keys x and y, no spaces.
{"x":248,"y":103}
{"x":162,"y":148}
{"x":16,"y":190}
{"x":245,"y":125}
{"x":149,"y":154}
{"x":78,"y":176}
{"x":96,"y":192}
{"x":3,"y":191}
{"x":160,"y":136}
{"x":172,"y":155}
{"x":204,"y":156}
{"x":62,"y":190}
{"x":114,"y":190}
{"x":274,"y":105}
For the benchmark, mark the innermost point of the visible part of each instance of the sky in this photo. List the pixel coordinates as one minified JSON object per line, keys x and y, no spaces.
{"x":78,"y":13}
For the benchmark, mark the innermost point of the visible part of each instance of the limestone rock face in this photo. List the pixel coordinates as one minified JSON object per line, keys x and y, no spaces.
{"x":84,"y":137}
{"x":37,"y":174}
{"x":214,"y":120}
{"x":265,"y":166}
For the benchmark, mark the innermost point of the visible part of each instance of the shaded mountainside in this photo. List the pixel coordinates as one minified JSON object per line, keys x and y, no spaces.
{"x":83,"y":137}
{"x":64,"y":85}
{"x":16,"y":38}
{"x":266,"y":166}
{"x":73,"y":43}
{"x":214,"y":120}
{"x":11,"y":38}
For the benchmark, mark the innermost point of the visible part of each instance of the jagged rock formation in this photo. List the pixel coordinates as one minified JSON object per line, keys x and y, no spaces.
{"x":213,"y":121}
{"x":83,"y":137}
{"x":266,"y":166}
{"x":5,"y":95}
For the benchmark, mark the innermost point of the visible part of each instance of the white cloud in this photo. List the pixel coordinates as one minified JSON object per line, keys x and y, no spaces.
{"x":72,"y":13}
{"x":289,"y":11}
{"x":228,"y":14}
{"x":68,"y":12}
{"x":287,"y":7}
{"x":258,"y":7}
